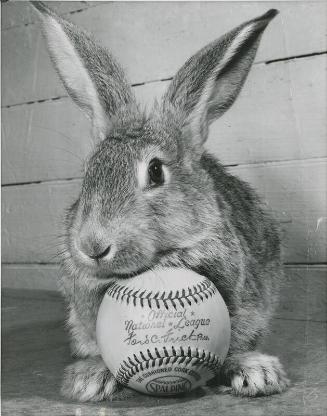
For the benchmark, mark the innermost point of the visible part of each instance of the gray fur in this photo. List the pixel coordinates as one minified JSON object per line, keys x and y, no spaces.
{"x":104,"y":71}
{"x":204,"y":219}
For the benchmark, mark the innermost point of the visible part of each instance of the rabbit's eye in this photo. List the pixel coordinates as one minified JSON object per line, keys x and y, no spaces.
{"x":156,"y":174}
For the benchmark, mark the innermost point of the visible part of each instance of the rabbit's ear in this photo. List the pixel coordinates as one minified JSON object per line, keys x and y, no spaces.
{"x":209,"y":82}
{"x":91,"y":76}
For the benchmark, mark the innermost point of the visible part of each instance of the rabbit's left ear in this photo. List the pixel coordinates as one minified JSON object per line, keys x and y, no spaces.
{"x":209,"y":82}
{"x":90,"y":74}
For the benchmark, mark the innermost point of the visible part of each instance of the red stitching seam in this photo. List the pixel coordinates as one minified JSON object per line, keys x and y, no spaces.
{"x":195,"y":294}
{"x":132,"y":366}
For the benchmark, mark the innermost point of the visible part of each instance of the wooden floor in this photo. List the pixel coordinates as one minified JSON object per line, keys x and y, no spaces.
{"x":35,"y":351}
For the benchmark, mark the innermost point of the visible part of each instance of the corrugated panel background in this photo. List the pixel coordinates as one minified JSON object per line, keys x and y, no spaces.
{"x":274,"y":136}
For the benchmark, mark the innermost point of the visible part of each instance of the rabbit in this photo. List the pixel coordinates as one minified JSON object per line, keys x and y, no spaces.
{"x":153,"y":196}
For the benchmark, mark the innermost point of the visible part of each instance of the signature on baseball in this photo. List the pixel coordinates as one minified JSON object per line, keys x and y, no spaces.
{"x":179,"y":326}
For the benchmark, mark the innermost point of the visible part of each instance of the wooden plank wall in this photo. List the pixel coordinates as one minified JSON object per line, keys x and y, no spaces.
{"x":274,"y":136}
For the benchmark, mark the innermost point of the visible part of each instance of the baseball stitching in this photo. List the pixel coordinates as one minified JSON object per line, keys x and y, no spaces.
{"x":146,"y":360}
{"x":194,"y":294}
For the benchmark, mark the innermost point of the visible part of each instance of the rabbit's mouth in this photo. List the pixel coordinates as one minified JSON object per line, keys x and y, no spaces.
{"x":160,"y":255}
{"x":130,"y":274}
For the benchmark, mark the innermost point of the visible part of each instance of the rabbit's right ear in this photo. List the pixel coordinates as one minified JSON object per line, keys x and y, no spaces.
{"x":209,"y":82}
{"x":91,"y":76}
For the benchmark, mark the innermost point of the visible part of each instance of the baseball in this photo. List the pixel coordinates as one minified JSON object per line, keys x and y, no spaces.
{"x":163,"y":332}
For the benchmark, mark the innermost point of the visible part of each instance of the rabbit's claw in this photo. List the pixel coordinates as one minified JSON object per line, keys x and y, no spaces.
{"x":88,"y":380}
{"x":255,"y":374}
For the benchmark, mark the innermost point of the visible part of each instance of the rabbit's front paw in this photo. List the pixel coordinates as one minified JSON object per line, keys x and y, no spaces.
{"x":88,"y":380}
{"x":255,"y":374}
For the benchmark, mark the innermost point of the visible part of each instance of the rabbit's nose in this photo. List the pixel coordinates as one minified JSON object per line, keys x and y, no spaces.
{"x":100,"y":255}
{"x":94,"y":249}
